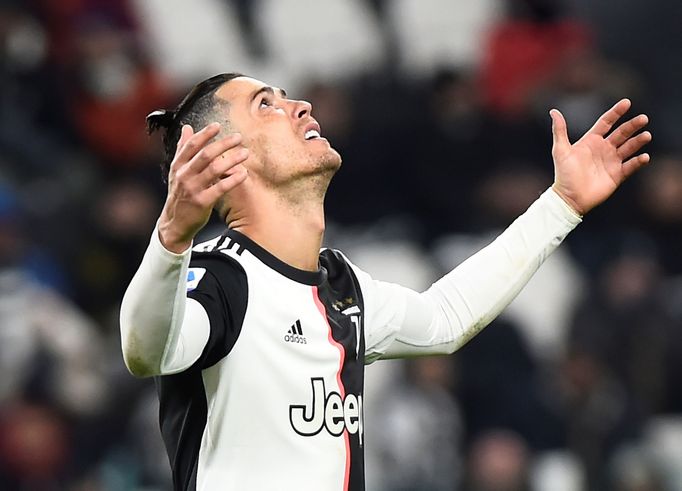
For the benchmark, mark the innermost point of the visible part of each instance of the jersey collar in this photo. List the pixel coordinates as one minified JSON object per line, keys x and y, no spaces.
{"x":313,"y":278}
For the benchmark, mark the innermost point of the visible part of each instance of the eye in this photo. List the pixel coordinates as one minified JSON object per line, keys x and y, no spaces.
{"x":265,"y":102}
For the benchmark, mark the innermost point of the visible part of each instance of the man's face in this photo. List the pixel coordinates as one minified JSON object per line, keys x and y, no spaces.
{"x":282,"y":137}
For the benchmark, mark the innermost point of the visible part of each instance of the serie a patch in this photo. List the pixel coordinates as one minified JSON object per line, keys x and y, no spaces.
{"x":194,"y":276}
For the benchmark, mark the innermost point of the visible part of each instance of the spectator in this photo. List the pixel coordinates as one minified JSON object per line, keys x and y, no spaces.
{"x":420,"y":432}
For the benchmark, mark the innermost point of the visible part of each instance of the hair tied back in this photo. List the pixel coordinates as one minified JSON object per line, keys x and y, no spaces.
{"x":158,"y":119}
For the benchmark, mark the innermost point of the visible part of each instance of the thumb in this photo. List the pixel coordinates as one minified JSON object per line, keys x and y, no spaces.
{"x":561,"y":144}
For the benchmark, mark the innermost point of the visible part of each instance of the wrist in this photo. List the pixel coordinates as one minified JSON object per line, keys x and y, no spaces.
{"x":569,"y":201}
{"x":171,"y":240}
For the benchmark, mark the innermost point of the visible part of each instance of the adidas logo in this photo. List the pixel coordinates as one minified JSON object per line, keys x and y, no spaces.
{"x":295,"y":334}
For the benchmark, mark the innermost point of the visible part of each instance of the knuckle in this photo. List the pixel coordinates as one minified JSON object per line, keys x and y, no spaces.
{"x":228,"y":143}
{"x":214,"y":168}
{"x":201,"y":201}
{"x":192,"y":145}
{"x":176,"y":162}
{"x":181,"y":175}
{"x":202,"y":155}
{"x":239,"y":155}
{"x":186,"y":186}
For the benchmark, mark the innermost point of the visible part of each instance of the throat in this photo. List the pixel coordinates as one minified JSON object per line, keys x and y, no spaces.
{"x":292,"y":232}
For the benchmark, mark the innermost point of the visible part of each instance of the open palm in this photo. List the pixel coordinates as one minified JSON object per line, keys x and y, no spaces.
{"x":587,"y":172}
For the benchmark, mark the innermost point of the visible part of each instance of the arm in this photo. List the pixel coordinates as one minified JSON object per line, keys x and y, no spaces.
{"x":155,"y":310}
{"x":400,"y":322}
{"x":161,"y":330}
{"x":459,"y":305}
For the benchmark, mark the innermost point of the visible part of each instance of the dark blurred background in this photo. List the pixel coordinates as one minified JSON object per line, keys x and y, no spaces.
{"x":440,"y":110}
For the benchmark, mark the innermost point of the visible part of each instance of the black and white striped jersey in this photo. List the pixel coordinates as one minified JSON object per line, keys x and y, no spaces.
{"x":260,"y":365}
{"x":275,"y":399}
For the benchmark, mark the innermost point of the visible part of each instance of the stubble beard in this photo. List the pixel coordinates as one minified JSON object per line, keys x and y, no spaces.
{"x":309,"y":185}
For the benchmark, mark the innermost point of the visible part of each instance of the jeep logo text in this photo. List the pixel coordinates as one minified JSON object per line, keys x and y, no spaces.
{"x":327,"y":411}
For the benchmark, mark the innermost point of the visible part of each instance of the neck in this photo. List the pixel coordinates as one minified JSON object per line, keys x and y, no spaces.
{"x":290,"y":229}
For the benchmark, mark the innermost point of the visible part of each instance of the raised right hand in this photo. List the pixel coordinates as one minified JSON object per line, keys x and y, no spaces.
{"x":200,"y":174}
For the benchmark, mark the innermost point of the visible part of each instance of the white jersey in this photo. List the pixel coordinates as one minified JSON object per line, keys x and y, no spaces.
{"x":275,"y":400}
{"x":260,"y":365}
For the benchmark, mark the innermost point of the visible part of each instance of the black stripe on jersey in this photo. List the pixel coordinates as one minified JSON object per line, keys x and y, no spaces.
{"x":298,"y":327}
{"x":222,"y":240}
{"x":223,"y":292}
{"x":313,"y":278}
{"x":342,"y":286}
{"x":182,"y":415}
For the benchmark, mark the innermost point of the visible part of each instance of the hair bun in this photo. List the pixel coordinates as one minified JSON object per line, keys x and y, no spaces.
{"x":158,"y":119}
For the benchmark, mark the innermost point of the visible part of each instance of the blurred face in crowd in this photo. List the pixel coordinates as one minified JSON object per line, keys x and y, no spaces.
{"x":284,"y":141}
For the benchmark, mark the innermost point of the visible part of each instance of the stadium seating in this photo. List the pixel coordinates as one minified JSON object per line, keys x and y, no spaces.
{"x":430,"y":33}
{"x":329,"y":40}
{"x":189,"y":41}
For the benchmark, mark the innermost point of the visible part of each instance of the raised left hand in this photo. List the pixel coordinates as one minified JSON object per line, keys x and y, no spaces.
{"x":587,"y":172}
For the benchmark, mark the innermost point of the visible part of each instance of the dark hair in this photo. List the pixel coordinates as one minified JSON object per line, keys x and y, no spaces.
{"x":196,"y":109}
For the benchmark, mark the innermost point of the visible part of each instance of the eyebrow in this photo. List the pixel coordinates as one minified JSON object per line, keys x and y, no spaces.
{"x":269,"y":90}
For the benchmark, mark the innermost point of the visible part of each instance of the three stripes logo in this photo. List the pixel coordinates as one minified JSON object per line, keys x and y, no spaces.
{"x":295,"y":334}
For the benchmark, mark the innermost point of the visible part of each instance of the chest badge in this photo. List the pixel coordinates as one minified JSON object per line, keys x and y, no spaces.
{"x":339,"y":305}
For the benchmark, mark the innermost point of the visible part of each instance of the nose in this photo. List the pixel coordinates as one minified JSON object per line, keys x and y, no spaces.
{"x":302,"y":109}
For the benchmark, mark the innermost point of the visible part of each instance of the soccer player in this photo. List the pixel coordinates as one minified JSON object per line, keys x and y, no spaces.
{"x":258,"y":338}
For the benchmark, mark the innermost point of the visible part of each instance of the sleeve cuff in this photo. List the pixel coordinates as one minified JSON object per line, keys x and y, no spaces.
{"x":161,"y":252}
{"x":560,"y":208}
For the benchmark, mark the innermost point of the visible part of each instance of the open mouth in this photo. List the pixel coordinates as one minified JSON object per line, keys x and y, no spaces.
{"x":312,"y":135}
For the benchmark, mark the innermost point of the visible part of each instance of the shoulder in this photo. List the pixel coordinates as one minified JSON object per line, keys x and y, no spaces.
{"x":222,"y":244}
{"x":221,"y":253}
{"x":215,"y":259}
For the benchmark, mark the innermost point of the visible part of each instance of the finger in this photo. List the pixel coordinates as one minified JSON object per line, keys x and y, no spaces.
{"x":185,"y":133}
{"x":235,"y":177}
{"x":561,"y":143}
{"x":222,"y":166}
{"x":633,"y":145}
{"x":194,"y":144}
{"x":634,"y":164}
{"x":609,"y":118}
{"x":626,"y":130}
{"x":206,"y":155}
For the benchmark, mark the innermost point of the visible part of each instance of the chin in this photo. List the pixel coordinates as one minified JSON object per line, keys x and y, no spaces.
{"x":332,"y":160}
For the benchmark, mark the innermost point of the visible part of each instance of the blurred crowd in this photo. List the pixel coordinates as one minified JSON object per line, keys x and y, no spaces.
{"x":440,"y":111}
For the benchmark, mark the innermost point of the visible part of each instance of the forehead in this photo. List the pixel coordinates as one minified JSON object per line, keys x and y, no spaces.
{"x":239,"y":88}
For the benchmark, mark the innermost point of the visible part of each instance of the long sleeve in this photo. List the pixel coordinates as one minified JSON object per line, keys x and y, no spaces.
{"x":400,"y":322}
{"x":162,"y":331}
